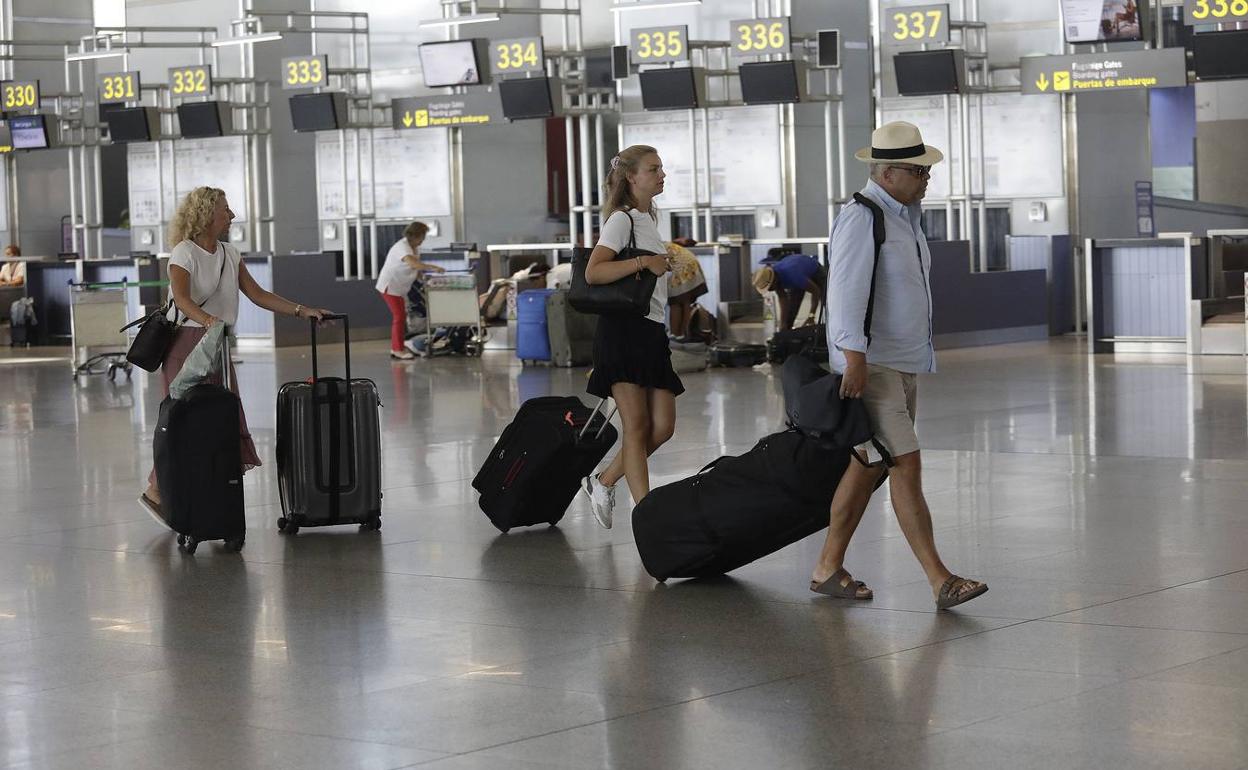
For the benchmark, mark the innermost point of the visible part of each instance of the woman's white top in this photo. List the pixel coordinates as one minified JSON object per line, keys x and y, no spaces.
{"x":396,"y":275}
{"x":205,"y":267}
{"x":615,"y":236}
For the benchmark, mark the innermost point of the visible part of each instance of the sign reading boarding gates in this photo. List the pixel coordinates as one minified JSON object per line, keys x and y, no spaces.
{"x":1093,"y":72}
{"x":450,"y":111}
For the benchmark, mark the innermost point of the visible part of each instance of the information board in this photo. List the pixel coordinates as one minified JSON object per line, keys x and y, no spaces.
{"x":1092,"y":72}
{"x":655,"y":45}
{"x":756,"y":37}
{"x":517,"y":56}
{"x":118,"y":87}
{"x":915,"y":25}
{"x":190,"y":81}
{"x":19,"y":94}
{"x":413,"y":174}
{"x":744,"y":155}
{"x":305,"y":71}
{"x":1214,"y":11}
{"x":217,"y":162}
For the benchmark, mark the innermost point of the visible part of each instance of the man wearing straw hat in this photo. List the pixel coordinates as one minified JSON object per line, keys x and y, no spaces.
{"x":880,"y":362}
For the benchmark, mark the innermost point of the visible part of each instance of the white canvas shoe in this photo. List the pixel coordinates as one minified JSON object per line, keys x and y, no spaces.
{"x":601,"y":499}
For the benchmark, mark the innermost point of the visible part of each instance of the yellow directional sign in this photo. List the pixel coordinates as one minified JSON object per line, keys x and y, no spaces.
{"x":1042,"y":82}
{"x":1061,"y":81}
{"x":453,"y":111}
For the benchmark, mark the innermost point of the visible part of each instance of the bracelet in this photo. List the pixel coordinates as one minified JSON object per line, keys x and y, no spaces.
{"x":640,"y":266}
{"x":298,"y":310}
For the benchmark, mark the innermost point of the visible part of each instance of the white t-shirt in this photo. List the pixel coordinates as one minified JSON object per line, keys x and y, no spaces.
{"x":397,"y":276}
{"x":218,"y":300}
{"x":615,"y":236}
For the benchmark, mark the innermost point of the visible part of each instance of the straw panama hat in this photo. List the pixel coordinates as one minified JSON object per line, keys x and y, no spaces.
{"x":899,"y":142}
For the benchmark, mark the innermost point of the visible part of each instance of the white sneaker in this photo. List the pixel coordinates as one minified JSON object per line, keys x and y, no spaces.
{"x":601,"y":499}
{"x":402,"y":355}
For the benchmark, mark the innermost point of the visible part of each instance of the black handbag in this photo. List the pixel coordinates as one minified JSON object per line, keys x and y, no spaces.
{"x":628,"y":296}
{"x":151,"y":344}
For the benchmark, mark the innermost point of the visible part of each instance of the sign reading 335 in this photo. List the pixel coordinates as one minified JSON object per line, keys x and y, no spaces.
{"x":660,"y":44}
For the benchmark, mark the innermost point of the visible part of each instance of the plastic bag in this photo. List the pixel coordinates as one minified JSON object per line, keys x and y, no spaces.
{"x":203,"y":361}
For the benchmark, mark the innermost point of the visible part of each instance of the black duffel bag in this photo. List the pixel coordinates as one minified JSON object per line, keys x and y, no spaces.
{"x":813,"y":406}
{"x":628,"y":296}
{"x":738,"y":509}
{"x":808,"y":341}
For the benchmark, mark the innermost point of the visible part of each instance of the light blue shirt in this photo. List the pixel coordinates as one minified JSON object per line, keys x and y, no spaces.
{"x":901,"y":326}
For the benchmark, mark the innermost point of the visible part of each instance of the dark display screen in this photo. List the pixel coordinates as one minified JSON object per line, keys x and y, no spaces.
{"x":924,"y":73}
{"x":669,"y":89}
{"x":30,"y":132}
{"x":129,"y":124}
{"x":1220,"y":55}
{"x":313,"y":112}
{"x":199,"y":120}
{"x":770,"y":82}
{"x":526,"y":98}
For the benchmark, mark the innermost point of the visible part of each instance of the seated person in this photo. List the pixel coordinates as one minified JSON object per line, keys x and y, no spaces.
{"x":790,"y":277}
{"x":12,"y":273}
{"x":685,"y":283}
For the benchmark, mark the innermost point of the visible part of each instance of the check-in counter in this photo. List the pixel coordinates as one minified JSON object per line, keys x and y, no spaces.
{"x":1142,"y":293}
{"x":1052,"y":254}
{"x":48,"y":283}
{"x":993,"y":308}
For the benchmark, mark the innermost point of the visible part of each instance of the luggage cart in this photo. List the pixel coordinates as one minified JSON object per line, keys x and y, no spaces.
{"x":451,"y":301}
{"x":97,"y":311}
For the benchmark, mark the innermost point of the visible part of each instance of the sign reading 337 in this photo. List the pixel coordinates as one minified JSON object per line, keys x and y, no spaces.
{"x":915,"y":25}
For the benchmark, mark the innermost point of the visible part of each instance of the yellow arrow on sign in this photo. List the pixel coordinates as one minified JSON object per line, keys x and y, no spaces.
{"x":1043,"y":82}
{"x":407,"y":119}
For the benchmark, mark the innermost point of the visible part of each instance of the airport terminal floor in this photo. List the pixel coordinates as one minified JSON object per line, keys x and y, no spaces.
{"x":1103,"y":499}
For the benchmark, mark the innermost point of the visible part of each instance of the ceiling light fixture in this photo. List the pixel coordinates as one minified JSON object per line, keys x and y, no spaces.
{"x":644,"y":6}
{"x":454,"y":21}
{"x":247,"y":40}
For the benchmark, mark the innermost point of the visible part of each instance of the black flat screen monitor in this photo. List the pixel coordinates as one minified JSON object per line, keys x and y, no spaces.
{"x":200,"y":120}
{"x":129,"y":124}
{"x":1102,"y":21}
{"x":526,"y":98}
{"x":669,"y":89}
{"x":1221,"y":55}
{"x":926,"y":73}
{"x":30,"y":132}
{"x":318,"y":112}
{"x":453,"y":63}
{"x":770,"y":82}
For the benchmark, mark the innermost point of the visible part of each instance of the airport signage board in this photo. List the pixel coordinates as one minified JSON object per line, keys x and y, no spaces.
{"x":305,"y":71}
{"x":450,"y":111}
{"x":118,"y":87}
{"x":517,"y":56}
{"x":19,"y":95}
{"x":656,"y":45}
{"x":1093,"y":72}
{"x":190,"y":81}
{"x":915,"y":25}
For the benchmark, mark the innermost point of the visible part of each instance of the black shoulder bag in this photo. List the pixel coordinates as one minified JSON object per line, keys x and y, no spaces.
{"x":628,"y":296}
{"x":155,"y":335}
{"x":812,"y":397}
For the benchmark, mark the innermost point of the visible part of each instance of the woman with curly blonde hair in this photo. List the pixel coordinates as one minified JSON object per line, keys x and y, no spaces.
{"x":205,"y":278}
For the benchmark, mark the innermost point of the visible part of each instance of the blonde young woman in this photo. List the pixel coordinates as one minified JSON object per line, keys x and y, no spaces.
{"x":205,"y":278}
{"x":632,"y":360}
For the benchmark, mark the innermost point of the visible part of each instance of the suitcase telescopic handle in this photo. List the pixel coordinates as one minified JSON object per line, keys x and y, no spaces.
{"x":227,"y":381}
{"x":594,"y":414}
{"x":346,"y":342}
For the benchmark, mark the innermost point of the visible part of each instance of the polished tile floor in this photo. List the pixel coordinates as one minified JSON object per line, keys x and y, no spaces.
{"x":1105,"y":500}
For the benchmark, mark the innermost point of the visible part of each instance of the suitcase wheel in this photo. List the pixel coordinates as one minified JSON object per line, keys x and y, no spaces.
{"x":187,"y":543}
{"x":286,"y":526}
{"x":372,"y":525}
{"x":235,"y":545}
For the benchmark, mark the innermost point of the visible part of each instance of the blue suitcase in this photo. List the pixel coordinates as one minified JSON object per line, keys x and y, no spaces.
{"x":532,"y":330}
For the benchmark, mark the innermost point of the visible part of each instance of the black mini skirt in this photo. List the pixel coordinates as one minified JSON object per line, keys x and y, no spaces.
{"x":632,"y":349}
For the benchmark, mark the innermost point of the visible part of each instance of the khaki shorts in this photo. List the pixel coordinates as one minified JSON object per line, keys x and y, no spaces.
{"x":891,"y":398}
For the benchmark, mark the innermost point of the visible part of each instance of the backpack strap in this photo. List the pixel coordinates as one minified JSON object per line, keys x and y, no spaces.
{"x":877,"y":231}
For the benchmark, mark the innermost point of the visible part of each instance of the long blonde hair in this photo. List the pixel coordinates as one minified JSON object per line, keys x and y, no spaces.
{"x":194,"y":214}
{"x":619,"y":193}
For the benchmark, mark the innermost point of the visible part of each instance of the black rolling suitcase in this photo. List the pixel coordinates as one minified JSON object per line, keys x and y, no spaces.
{"x":199,"y":464}
{"x":738,"y":509}
{"x":329,"y":448}
{"x":536,"y":466}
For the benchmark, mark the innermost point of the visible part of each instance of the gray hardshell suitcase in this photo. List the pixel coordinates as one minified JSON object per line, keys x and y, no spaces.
{"x":571,"y":332}
{"x":329,"y":449}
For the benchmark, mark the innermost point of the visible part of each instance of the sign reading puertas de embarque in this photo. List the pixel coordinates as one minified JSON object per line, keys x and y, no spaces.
{"x":1093,"y":72}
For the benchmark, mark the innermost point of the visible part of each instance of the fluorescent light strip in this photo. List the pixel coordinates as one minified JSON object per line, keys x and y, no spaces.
{"x":265,"y":38}
{"x":454,"y":21}
{"x":618,"y":7}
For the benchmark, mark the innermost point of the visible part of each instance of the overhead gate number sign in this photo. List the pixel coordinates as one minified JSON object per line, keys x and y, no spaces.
{"x":1089,"y":73}
{"x":1214,"y":11}
{"x":654,"y":45}
{"x":755,"y":37}
{"x":917,"y":25}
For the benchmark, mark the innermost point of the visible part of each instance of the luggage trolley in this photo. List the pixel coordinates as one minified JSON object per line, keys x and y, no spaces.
{"x":97,"y":311}
{"x":450,"y":301}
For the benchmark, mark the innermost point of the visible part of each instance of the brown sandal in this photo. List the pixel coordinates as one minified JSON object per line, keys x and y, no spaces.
{"x":842,"y":586}
{"x":957,"y":590}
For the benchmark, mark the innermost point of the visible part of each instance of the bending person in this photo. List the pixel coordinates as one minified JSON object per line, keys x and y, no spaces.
{"x":790,"y":277}
{"x":632,"y":360}
{"x":205,"y":278}
{"x":401,"y":268}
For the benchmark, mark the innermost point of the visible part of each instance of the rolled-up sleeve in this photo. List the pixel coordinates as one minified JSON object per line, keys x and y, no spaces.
{"x":851,"y":257}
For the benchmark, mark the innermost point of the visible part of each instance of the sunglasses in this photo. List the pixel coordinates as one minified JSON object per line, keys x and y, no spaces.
{"x":919,"y":171}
